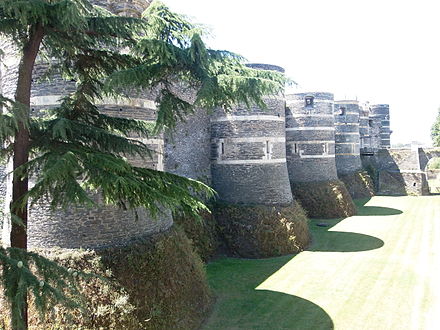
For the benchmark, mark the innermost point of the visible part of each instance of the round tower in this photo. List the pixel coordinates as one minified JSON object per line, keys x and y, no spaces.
{"x":347,"y":137}
{"x":249,"y":168}
{"x":364,"y":112}
{"x":375,"y":129}
{"x":347,"y":149}
{"x":310,"y":137}
{"x":310,"y":131}
{"x":383,"y":111}
{"x":82,"y":226}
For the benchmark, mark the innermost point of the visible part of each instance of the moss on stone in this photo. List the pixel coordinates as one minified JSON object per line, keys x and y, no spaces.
{"x":202,"y":232}
{"x":359,"y":184}
{"x":158,"y":283}
{"x":262,"y":231}
{"x":329,"y":199}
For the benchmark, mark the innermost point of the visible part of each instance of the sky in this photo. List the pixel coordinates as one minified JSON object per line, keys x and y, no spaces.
{"x":381,"y":51}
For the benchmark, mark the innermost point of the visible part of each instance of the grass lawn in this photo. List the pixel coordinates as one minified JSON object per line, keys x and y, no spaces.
{"x":377,"y":270}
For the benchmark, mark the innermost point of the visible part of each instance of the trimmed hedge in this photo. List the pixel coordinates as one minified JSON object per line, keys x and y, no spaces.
{"x":359,"y":184}
{"x":158,"y":283}
{"x":262,"y":231}
{"x":202,"y":232}
{"x":329,"y":199}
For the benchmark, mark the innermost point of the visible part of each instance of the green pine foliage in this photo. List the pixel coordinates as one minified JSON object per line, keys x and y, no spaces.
{"x":435,"y":131}
{"x":75,"y":150}
{"x":49,"y":283}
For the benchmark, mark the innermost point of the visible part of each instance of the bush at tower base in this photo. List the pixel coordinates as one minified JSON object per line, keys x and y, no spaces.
{"x":328,"y":199}
{"x":155,"y":283}
{"x":359,"y":184}
{"x":258,"y":231}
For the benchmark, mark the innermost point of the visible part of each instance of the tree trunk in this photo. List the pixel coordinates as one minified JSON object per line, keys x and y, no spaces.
{"x":21,"y":153}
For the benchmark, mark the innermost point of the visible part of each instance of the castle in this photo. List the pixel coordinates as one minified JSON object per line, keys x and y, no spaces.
{"x":306,"y":150}
{"x":299,"y":148}
{"x":250,"y":156}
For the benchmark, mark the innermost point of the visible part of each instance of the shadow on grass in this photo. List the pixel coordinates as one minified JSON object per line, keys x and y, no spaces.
{"x":324,"y":240}
{"x":241,"y":306}
{"x":363,"y":210}
{"x":338,"y":241}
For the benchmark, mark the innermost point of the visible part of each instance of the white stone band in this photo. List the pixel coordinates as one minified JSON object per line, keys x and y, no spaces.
{"x":311,"y":142}
{"x":46,"y":100}
{"x":317,"y":156}
{"x":315,"y":128}
{"x":263,"y":139}
{"x":316,"y":101}
{"x":300,"y":115}
{"x":248,"y":118}
{"x":347,"y":124}
{"x":250,"y":161}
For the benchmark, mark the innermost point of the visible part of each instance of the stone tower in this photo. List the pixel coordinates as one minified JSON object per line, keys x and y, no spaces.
{"x":348,"y":156}
{"x":310,"y":137}
{"x":364,"y":113}
{"x":310,"y":131}
{"x":347,"y":137}
{"x":249,"y":154}
{"x":249,"y":173}
{"x":81,"y":226}
{"x":383,"y":112}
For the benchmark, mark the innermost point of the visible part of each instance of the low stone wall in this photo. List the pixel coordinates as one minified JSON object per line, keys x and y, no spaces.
{"x":262,"y":231}
{"x":400,"y":183}
{"x":328,"y":199}
{"x":397,"y":172}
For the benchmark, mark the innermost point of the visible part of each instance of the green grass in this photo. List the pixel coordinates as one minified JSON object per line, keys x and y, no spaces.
{"x":377,"y":270}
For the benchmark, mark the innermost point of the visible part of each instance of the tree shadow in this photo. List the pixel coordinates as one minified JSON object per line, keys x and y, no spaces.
{"x":241,"y":306}
{"x":363,"y":210}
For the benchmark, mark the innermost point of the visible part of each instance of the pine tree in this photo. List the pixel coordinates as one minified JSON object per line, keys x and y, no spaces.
{"x":76,"y":150}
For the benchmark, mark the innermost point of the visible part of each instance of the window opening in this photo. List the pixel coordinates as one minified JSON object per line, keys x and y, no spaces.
{"x":309,"y":101}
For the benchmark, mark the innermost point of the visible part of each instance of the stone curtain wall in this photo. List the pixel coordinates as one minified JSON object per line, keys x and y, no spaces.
{"x":398,"y":171}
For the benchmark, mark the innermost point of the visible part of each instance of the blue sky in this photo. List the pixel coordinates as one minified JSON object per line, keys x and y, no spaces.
{"x":384,"y":51}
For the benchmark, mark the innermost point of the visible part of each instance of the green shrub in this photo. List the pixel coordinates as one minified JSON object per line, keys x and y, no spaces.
{"x":262,"y":231}
{"x":329,"y":199}
{"x":359,"y":184}
{"x":202,"y":232}
{"x":158,"y":283}
{"x":434,"y":164}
